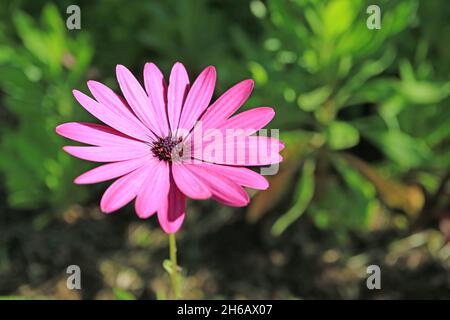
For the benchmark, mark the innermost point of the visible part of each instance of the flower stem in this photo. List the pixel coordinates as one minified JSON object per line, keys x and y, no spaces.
{"x":174,"y":273}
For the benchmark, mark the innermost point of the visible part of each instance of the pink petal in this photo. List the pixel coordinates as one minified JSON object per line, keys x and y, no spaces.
{"x":122,"y":191}
{"x":94,"y":134}
{"x":198,"y":98}
{"x":156,"y":90}
{"x":251,"y":120}
{"x":110,"y":118}
{"x":242,"y":176}
{"x":244,"y":124}
{"x":154,"y":189}
{"x":111,"y":170}
{"x":138,"y":99}
{"x":178,"y":89}
{"x":172,"y":212}
{"x":110,"y":100}
{"x":188,"y":183}
{"x":242,"y":151}
{"x":222,"y":188}
{"x":227,"y":104}
{"x":107,"y":154}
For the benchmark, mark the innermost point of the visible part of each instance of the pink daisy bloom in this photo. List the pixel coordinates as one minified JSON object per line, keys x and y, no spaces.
{"x":148,"y":143}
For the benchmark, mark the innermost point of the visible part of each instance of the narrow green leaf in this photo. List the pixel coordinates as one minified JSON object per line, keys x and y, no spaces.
{"x":167,"y":265}
{"x":304,"y":195}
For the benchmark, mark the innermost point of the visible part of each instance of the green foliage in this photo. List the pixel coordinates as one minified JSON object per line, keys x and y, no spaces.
{"x":320,"y":57}
{"x":381,"y":95}
{"x":341,"y":135}
{"x":37,"y":74}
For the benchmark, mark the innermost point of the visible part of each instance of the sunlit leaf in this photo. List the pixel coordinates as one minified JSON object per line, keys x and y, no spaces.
{"x":121,"y":294}
{"x":341,"y":135}
{"x":312,"y":100}
{"x":424,"y":92}
{"x":338,"y":16}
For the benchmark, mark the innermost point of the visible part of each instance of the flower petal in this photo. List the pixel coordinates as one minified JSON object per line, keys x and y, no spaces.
{"x":222,"y":188}
{"x":111,"y":170}
{"x":172,"y":212}
{"x":244,"y":124}
{"x":122,"y":191}
{"x":157,"y":92}
{"x":227,"y":104}
{"x":188,"y":183}
{"x":241,"y":151}
{"x":138,"y":99}
{"x":117,"y":105}
{"x":198,"y":98}
{"x":251,"y":120}
{"x":154,"y":188}
{"x":110,"y":118}
{"x":106,"y":154}
{"x":178,"y":89}
{"x":94,"y":134}
{"x":242,"y":176}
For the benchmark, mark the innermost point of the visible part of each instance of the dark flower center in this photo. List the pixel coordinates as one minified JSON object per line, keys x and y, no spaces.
{"x":165,"y":148}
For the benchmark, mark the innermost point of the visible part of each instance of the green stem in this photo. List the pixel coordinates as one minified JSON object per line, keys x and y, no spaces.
{"x":174,"y":273}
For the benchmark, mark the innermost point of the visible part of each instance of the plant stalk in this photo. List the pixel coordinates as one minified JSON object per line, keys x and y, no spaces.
{"x":174,"y":274}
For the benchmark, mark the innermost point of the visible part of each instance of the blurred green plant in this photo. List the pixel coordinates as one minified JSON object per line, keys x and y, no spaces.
{"x":348,"y":87}
{"x":347,"y":98}
{"x":200,"y":36}
{"x":37,"y":75}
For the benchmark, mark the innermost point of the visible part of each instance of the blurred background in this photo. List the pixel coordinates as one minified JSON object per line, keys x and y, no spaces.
{"x":364,"y":114}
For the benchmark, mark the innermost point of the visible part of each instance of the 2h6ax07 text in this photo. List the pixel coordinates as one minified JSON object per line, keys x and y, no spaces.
{"x":229,"y":309}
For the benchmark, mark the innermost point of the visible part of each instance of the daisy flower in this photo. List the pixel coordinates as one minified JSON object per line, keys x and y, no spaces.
{"x":165,"y":143}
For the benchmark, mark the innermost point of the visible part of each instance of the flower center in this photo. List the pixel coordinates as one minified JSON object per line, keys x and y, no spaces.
{"x":165,"y":148}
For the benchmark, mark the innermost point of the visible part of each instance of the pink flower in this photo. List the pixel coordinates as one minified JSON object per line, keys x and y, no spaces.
{"x":149,"y":144}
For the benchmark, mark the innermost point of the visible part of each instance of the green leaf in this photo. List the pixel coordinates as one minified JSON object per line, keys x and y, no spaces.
{"x":406,"y":71}
{"x":304,"y":195}
{"x":167,"y":265}
{"x":121,"y":294}
{"x":338,"y":17}
{"x":313,"y":20}
{"x":342,"y":204}
{"x":341,"y":135}
{"x":33,"y":39}
{"x":424,"y":92}
{"x":400,"y":147}
{"x":363,"y":194}
{"x":368,"y":70}
{"x":258,"y":9}
{"x":390,"y":109}
{"x":374,"y":91}
{"x":312,"y":100}
{"x":259,"y":73}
